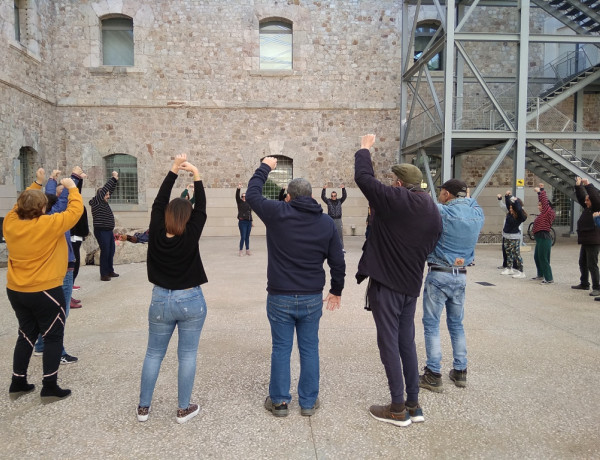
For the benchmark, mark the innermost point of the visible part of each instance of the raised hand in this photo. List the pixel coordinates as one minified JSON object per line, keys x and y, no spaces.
{"x":367,"y":141}
{"x":271,"y":162}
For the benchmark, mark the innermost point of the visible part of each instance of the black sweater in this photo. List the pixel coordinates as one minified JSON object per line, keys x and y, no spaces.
{"x":406,"y":226}
{"x":174,"y":263}
{"x":587,"y":232}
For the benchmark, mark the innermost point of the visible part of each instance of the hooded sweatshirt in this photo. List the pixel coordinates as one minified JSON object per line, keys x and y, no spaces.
{"x":299,"y":239}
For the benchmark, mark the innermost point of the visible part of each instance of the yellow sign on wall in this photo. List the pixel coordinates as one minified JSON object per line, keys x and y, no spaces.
{"x":520,"y":182}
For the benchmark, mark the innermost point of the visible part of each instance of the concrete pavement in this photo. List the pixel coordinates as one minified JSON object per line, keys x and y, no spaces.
{"x":533,"y":371}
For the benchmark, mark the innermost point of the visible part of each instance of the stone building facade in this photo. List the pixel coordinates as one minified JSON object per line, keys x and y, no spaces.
{"x":196,"y":86}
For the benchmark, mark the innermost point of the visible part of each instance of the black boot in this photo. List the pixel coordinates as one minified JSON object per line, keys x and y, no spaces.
{"x":52,"y":392}
{"x":19,"y":387}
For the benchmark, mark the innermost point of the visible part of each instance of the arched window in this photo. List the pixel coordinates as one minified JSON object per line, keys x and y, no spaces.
{"x":127,"y":187}
{"x":275,"y":45}
{"x":423,"y":35}
{"x":117,"y":41}
{"x":27,"y":167}
{"x":279,"y":178}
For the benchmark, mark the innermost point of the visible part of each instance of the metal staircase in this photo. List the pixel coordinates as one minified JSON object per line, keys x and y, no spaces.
{"x":583,"y":16}
{"x":558,"y":166}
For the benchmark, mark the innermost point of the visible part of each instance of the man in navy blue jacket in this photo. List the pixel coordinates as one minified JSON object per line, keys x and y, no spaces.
{"x":299,"y":239}
{"x":406,"y":225}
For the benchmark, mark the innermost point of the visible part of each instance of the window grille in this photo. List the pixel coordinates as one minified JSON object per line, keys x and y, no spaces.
{"x":275,"y":46}
{"x":117,"y":41}
{"x":127,"y":186}
{"x":279,"y":178}
{"x":27,"y":167}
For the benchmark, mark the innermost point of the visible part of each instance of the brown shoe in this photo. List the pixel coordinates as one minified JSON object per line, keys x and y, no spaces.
{"x":113,"y":275}
{"x":105,"y":278}
{"x":384,"y":414}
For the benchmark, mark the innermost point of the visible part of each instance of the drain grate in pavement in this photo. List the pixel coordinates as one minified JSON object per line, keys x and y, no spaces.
{"x":484,"y":283}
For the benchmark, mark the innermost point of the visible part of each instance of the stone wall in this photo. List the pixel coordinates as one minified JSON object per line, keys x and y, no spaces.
{"x":196,"y":87}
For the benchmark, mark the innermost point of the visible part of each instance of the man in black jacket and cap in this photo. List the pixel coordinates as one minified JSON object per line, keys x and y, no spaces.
{"x":405,"y":228}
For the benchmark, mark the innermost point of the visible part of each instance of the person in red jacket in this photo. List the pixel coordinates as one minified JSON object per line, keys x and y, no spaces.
{"x":543,"y":241}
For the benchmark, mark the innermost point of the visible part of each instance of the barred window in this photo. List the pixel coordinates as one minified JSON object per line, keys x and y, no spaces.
{"x":279,"y":178}
{"x":127,"y":187}
{"x":27,"y":169}
{"x":117,"y":41}
{"x":275,"y":45}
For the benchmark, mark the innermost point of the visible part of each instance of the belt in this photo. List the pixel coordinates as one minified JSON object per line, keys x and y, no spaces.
{"x":439,"y":268}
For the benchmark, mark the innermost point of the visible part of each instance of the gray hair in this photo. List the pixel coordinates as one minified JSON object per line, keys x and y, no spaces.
{"x":299,"y":187}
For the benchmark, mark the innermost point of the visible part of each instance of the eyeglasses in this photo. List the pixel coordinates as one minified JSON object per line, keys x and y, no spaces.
{"x":243,"y":196}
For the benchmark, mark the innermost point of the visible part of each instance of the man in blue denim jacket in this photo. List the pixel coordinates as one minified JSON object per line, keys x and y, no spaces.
{"x":462,"y":219}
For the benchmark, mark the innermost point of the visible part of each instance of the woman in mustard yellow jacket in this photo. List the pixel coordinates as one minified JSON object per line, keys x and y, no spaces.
{"x":37,"y":263}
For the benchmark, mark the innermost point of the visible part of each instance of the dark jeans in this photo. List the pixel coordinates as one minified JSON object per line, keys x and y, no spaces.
{"x":588,"y":263}
{"x":245,"y":228}
{"x":76,"y":250}
{"x":106,"y":241}
{"x":394,"y":316}
{"x":39,"y":312}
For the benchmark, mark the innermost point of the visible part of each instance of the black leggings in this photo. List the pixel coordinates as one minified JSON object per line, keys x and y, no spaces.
{"x":39,"y":312}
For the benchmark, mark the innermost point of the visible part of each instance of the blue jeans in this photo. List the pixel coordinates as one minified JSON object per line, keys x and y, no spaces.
{"x":106,"y":242}
{"x":286,"y":313}
{"x":67,"y":288}
{"x":185,"y":309}
{"x":245,"y":227}
{"x":444,"y":290}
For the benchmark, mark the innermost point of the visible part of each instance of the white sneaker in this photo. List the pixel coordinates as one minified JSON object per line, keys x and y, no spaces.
{"x":507,"y":271}
{"x":519,"y":275}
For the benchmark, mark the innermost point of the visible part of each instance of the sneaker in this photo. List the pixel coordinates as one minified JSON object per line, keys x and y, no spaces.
{"x":75,"y":304}
{"x":537,"y":278}
{"x":183,"y":415}
{"x":76,"y":288}
{"x":415,"y":413}
{"x":142,"y":413}
{"x":73,"y":299}
{"x":507,"y":271}
{"x":547,"y":282}
{"x":38,"y":353}
{"x":458,"y":377}
{"x":384,"y":414}
{"x":431,"y":381}
{"x":68,"y":359}
{"x":501,"y":267}
{"x":595,"y":293}
{"x":581,"y":287}
{"x":278,"y":410}
{"x":312,"y":410}
{"x":521,"y":275}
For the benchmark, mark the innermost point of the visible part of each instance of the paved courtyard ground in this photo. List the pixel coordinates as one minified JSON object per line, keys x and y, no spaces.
{"x":532,"y":384}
